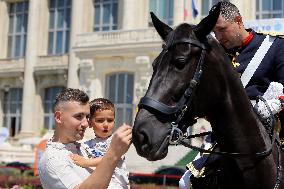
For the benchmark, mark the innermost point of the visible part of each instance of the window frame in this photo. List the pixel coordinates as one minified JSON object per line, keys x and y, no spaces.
{"x":8,"y":115}
{"x":205,"y":10}
{"x":126,"y":104}
{"x":49,"y":114}
{"x":267,"y":14}
{"x":15,"y":16}
{"x":169,"y":17}
{"x":112,"y":24}
{"x":56,"y":47}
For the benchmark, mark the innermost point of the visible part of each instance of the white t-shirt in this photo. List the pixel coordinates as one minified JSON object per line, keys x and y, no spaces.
{"x":57,"y":170}
{"x":97,"y":147}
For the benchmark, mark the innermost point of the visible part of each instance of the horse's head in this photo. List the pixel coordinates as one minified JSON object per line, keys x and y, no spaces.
{"x":173,"y":88}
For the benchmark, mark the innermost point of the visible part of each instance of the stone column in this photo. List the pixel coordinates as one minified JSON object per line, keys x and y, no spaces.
{"x":76,"y":28}
{"x":29,"y":88}
{"x":178,"y":12}
{"x":130,"y":14}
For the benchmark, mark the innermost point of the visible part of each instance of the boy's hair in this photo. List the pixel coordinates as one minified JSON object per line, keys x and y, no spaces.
{"x":70,"y":94}
{"x":228,"y":10}
{"x":100,"y":104}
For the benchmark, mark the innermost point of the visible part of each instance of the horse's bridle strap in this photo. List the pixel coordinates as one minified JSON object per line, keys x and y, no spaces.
{"x":156,"y":105}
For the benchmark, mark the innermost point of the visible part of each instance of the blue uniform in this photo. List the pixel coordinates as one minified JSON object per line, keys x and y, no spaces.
{"x":270,"y":69}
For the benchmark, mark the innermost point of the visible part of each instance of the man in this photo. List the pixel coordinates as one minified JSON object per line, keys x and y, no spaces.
{"x":56,"y":169}
{"x":242,"y":45}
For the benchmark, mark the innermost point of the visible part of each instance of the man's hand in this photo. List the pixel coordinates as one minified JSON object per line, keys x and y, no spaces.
{"x":121,"y":140}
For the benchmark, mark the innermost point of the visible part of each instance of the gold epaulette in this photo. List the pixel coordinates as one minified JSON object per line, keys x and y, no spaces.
{"x":196,"y":173}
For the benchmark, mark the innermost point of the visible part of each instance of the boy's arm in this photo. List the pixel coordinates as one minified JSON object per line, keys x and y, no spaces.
{"x":82,"y":162}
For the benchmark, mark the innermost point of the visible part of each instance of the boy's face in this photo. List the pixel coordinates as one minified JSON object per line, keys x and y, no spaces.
{"x":102,"y":123}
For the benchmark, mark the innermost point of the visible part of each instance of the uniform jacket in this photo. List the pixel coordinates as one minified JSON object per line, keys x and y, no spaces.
{"x":270,"y":69}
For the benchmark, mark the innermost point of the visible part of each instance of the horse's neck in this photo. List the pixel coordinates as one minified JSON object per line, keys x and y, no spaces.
{"x":236,"y":124}
{"x":238,"y":130}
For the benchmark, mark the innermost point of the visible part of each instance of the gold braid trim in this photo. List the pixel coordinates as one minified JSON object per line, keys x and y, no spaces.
{"x":196,"y":173}
{"x":234,"y":59}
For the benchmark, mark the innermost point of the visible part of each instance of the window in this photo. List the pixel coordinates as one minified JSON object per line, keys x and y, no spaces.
{"x":12,"y":110}
{"x":49,"y":97}
{"x":18,"y":21}
{"x":269,"y":9}
{"x":105,"y":15}
{"x":59,"y":26}
{"x":206,"y":5}
{"x":163,"y":9}
{"x":120,"y":91}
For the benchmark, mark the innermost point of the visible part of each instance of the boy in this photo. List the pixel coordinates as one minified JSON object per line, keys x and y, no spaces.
{"x":102,"y":116}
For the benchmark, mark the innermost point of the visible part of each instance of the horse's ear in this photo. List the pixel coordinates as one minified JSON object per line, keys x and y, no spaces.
{"x":162,"y":28}
{"x":207,"y":24}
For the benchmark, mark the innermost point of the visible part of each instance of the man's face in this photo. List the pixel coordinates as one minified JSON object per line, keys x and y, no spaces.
{"x":227,"y":33}
{"x":73,"y":121}
{"x":103,"y":123}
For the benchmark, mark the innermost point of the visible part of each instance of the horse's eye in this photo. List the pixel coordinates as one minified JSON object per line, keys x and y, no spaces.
{"x":180,"y":62}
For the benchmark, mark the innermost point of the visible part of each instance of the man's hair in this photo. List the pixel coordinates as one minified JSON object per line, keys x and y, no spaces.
{"x":100,"y":104}
{"x":228,"y":10}
{"x":70,"y":94}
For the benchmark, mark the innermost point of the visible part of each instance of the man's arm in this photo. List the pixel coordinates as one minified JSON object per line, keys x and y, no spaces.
{"x":120,"y":143}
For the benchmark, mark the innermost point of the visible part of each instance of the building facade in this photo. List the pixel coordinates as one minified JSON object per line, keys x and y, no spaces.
{"x":104,"y":47}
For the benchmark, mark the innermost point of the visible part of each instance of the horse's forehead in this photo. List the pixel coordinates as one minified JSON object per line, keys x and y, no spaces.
{"x":183,"y":31}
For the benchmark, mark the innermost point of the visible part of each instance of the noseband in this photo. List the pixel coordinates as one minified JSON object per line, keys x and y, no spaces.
{"x":178,"y":111}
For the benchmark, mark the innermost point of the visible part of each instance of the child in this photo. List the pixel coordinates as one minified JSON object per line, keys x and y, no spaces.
{"x":102,"y":116}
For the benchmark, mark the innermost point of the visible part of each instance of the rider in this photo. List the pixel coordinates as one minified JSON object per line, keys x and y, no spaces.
{"x":241,"y":45}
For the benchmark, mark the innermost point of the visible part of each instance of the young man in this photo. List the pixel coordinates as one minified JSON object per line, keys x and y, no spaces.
{"x":56,"y":169}
{"x":242,"y":45}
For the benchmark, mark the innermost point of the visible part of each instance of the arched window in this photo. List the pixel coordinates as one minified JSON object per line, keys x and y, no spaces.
{"x":13,"y":110}
{"x":119,"y":90}
{"x":49,"y":97}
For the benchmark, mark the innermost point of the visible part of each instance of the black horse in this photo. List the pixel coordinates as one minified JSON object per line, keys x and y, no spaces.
{"x":193,"y":77}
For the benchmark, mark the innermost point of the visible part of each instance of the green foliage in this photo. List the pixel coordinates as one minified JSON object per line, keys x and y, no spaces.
{"x":28,"y":186}
{"x":187,"y":158}
{"x":43,"y":131}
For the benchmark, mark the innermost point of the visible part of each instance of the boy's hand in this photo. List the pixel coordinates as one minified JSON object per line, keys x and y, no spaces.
{"x":121,"y":140}
{"x":79,"y":160}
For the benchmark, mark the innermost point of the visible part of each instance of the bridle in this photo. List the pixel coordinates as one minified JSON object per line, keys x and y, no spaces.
{"x":178,"y":111}
{"x":182,"y":106}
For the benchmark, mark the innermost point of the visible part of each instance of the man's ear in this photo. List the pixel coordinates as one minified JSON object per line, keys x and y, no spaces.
{"x":58,"y":116}
{"x":238,"y":19}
